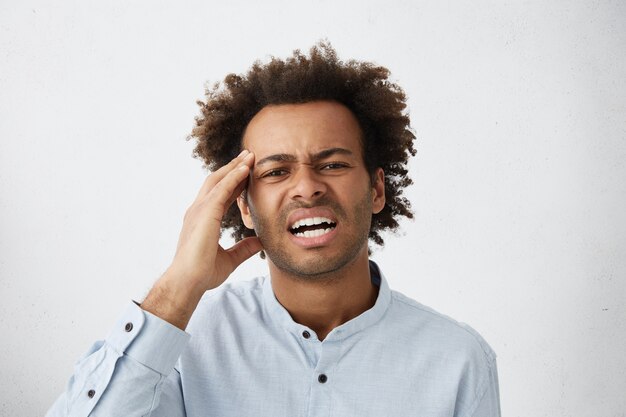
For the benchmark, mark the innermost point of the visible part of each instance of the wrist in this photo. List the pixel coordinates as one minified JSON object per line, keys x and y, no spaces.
{"x":173,"y":300}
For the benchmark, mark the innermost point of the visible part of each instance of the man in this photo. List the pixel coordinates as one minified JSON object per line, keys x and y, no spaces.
{"x":313,"y":151}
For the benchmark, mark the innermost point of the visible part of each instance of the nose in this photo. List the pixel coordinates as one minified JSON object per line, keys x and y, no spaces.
{"x":307,"y":184}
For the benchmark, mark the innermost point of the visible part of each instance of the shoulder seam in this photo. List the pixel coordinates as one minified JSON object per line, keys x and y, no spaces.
{"x":490,"y":355}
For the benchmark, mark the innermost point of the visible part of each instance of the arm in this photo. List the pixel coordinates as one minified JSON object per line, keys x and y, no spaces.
{"x":128,"y":373}
{"x":200,"y":263}
{"x":143,"y":356}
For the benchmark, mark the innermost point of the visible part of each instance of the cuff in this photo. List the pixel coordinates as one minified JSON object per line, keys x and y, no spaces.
{"x":148,"y":339}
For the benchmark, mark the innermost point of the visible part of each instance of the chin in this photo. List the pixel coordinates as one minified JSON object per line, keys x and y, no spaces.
{"x":315,"y":266}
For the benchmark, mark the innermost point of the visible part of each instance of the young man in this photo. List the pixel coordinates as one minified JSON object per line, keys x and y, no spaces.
{"x":322,"y":149}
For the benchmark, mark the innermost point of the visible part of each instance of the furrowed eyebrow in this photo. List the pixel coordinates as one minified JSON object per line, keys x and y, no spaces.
{"x":283,"y":157}
{"x":330,"y":152}
{"x":279,"y":157}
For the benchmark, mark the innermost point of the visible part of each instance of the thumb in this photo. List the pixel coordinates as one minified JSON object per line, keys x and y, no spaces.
{"x":244,"y":249}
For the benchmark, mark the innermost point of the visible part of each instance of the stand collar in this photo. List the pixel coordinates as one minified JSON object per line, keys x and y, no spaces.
{"x":281,"y":316}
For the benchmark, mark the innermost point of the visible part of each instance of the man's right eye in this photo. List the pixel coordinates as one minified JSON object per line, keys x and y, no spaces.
{"x":274,"y":173}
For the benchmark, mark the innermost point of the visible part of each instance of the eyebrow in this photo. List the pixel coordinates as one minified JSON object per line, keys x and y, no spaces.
{"x":285,"y":157}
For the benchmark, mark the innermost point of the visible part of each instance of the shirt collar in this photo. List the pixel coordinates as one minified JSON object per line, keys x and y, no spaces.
{"x":281,"y":316}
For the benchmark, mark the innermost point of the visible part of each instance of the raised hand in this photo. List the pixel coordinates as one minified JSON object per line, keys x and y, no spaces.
{"x":200,"y":263}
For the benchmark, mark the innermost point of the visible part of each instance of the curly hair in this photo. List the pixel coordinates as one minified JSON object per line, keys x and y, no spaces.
{"x":378,"y":104}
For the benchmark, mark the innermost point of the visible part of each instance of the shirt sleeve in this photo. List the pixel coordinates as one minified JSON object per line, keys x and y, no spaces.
{"x":129,"y":372}
{"x":489,"y":403}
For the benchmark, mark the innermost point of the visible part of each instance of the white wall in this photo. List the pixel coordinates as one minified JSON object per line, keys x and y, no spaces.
{"x":519,"y":189}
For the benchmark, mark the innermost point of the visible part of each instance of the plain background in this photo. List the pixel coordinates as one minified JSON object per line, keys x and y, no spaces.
{"x":520,"y":228}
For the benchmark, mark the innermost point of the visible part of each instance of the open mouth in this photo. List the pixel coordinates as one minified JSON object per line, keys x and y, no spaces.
{"x":312,"y":227}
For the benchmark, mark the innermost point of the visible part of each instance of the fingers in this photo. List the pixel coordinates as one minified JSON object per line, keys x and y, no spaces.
{"x":245,"y":157}
{"x":243,"y":250}
{"x":230,"y":185}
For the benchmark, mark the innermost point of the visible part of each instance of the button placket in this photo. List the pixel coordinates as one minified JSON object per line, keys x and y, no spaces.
{"x":322,"y":378}
{"x":309,"y":345}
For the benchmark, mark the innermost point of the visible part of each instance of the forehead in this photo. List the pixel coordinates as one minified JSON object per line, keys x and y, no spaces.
{"x":302,"y":129}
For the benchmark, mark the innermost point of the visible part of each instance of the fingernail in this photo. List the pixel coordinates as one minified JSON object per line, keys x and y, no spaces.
{"x":244,"y":152}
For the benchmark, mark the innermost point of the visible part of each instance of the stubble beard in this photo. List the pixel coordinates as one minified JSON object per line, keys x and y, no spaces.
{"x":319,"y":267}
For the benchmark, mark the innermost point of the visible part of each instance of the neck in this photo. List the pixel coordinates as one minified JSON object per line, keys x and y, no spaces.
{"x":325,"y":302}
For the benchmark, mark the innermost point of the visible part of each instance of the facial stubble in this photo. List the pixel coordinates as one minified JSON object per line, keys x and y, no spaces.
{"x":318,"y":267}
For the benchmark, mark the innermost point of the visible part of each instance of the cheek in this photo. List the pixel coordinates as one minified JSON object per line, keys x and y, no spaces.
{"x":264,"y":196}
{"x":255,"y":200}
{"x":261,"y":204}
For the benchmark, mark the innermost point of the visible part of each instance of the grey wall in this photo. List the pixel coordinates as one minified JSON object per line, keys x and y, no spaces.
{"x":519,"y":182}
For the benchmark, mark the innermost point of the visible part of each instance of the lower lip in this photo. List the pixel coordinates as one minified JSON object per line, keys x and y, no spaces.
{"x":313,"y":242}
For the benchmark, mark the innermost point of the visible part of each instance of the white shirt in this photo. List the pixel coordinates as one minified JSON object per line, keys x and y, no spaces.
{"x":247,"y":357}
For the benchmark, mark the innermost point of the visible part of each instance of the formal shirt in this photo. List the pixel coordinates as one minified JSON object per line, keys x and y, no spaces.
{"x":243,"y":355}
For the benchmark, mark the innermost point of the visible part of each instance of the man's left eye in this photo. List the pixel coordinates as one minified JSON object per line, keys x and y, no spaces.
{"x":334,"y":165}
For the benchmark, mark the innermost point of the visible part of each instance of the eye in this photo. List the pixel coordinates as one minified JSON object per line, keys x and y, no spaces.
{"x":334,"y":165}
{"x":274,"y":173}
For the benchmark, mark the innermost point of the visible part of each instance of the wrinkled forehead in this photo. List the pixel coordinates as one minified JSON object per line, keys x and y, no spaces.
{"x":303,"y":130}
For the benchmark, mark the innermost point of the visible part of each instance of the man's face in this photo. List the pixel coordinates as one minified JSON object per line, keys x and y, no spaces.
{"x":310,"y":198}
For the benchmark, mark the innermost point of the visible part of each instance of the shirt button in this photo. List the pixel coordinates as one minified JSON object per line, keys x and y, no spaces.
{"x":306,"y":334}
{"x":91,"y":393}
{"x":128,"y":327}
{"x":322,"y":379}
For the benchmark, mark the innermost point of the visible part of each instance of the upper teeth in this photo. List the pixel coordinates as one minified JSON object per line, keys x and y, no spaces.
{"x":311,"y":221}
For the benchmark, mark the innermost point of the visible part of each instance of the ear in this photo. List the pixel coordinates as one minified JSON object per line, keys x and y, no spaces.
{"x":378,"y":191}
{"x":244,"y":209}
